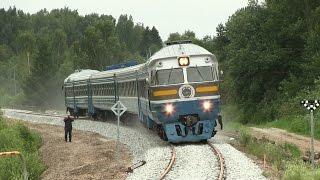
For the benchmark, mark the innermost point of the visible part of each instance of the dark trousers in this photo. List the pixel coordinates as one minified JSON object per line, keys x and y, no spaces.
{"x":66,"y":133}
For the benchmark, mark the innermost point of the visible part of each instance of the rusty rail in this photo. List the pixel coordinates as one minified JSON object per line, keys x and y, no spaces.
{"x":172,"y":160}
{"x":216,"y":151}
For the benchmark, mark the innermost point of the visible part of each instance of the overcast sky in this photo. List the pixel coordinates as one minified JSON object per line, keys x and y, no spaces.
{"x":200,"y":16}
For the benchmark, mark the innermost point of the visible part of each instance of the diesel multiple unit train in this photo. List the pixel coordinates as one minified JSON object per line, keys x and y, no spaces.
{"x":176,"y":92}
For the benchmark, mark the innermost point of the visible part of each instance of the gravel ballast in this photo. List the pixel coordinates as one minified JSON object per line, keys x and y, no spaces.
{"x":194,"y":161}
{"x":143,"y":144}
{"x":238,"y":165}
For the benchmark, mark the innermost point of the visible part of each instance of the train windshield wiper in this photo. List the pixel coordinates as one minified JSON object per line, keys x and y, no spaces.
{"x":170,"y":75}
{"x":199,"y":73}
{"x":154,"y":78}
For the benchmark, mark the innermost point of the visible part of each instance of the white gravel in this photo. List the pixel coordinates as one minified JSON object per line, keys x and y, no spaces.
{"x":194,"y":161}
{"x":238,"y":165}
{"x":144,"y":144}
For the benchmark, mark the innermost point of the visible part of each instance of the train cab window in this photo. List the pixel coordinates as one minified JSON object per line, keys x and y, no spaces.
{"x":168,"y":76}
{"x":200,"y":74}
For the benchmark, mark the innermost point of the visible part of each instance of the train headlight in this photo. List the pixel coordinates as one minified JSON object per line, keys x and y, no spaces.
{"x":169,"y":109}
{"x":207,"y":105}
{"x":183,"y":61}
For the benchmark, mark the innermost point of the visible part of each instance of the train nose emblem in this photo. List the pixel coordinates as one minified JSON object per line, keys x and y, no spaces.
{"x":186,"y":91}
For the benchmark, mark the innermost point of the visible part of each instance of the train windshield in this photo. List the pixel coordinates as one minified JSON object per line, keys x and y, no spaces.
{"x":168,"y":76}
{"x":200,"y":73}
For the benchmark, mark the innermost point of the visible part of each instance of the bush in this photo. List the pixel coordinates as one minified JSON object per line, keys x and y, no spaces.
{"x":17,"y":137}
{"x":245,"y":138}
{"x":297,"y":170}
{"x":297,"y":124}
{"x":276,"y":154}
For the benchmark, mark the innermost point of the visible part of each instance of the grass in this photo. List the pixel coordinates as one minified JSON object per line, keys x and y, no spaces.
{"x":17,"y":137}
{"x":276,"y":154}
{"x":298,"y":170}
{"x":284,"y":159}
{"x":296,"y":124}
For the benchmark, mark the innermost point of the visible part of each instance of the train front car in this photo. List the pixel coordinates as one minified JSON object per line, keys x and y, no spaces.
{"x":184,"y":92}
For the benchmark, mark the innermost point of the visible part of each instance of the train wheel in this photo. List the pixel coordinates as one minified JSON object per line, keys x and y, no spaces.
{"x":162,"y":134}
{"x":204,"y":140}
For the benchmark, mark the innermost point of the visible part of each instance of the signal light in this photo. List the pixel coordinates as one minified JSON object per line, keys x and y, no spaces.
{"x":184,"y":61}
{"x":207,"y":105}
{"x":311,"y":105}
{"x":169,"y":108}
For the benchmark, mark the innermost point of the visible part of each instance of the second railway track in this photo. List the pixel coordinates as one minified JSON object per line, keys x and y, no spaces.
{"x":173,"y":169}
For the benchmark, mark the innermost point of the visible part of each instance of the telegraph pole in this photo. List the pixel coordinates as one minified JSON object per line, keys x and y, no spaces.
{"x":311,"y":105}
{"x":312,"y":139}
{"x":14,"y":81}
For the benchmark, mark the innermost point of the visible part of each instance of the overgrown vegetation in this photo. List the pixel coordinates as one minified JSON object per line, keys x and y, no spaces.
{"x":296,"y":124}
{"x":269,"y":51}
{"x":297,"y":170}
{"x":17,"y":137}
{"x":38,"y":51}
{"x":271,"y":56}
{"x":285,"y":159}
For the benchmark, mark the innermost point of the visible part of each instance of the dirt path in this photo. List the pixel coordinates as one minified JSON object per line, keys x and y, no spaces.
{"x":282,"y":136}
{"x":89,"y":156}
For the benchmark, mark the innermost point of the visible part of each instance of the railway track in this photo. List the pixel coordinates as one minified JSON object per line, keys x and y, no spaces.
{"x":221,"y":161}
{"x":198,"y":161}
{"x":41,"y":114}
{"x":215,"y":150}
{"x":172,"y":160}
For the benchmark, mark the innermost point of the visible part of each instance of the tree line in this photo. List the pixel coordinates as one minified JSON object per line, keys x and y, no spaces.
{"x":37,"y":51}
{"x":270,"y":53}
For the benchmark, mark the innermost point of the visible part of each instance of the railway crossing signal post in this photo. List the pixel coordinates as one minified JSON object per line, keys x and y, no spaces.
{"x":118,"y":109}
{"x":311,"y":105}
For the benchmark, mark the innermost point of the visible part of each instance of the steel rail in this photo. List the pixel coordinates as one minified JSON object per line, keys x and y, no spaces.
{"x":169,"y":166}
{"x":217,"y":152}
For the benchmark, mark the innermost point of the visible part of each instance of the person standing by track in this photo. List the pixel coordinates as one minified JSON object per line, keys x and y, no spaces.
{"x":68,"y":128}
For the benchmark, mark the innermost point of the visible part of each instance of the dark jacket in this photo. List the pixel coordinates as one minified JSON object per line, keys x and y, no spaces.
{"x":68,"y":123}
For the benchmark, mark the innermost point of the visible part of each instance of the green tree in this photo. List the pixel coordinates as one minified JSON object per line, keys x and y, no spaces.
{"x":37,"y":84}
{"x":59,"y":45}
{"x":174,"y":37}
{"x":27,"y":44}
{"x":151,"y":42}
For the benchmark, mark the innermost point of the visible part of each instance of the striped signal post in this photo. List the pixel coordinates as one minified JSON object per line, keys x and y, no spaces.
{"x":118,"y":109}
{"x":17,"y":153}
{"x":311,"y":105}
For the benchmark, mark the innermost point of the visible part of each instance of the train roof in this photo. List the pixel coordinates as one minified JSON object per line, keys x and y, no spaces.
{"x":110,"y":73}
{"x":177,"y":50}
{"x":80,"y":75}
